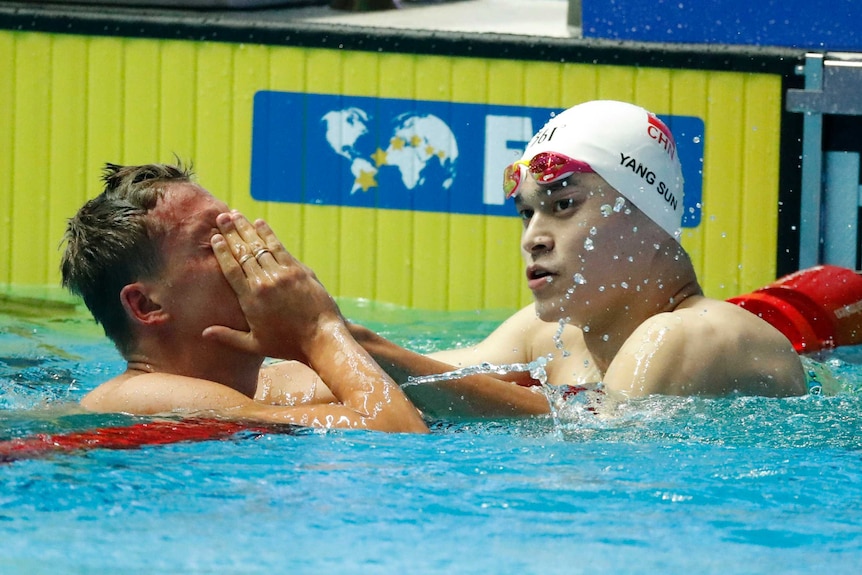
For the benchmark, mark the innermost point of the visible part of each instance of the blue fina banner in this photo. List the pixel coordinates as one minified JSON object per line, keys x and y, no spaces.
{"x":819,"y":25}
{"x":410,"y":154}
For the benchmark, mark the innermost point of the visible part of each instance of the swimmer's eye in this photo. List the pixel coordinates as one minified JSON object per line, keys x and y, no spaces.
{"x":564,"y":204}
{"x":526,"y":215}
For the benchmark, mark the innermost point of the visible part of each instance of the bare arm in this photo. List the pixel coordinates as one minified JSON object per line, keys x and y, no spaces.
{"x":291,"y":383}
{"x":165,"y":393}
{"x":291,"y":316}
{"x":473,"y":396}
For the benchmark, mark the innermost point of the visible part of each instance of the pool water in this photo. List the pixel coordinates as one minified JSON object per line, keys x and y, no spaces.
{"x":668,"y":485}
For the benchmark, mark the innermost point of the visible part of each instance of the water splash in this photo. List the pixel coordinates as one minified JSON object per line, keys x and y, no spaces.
{"x":558,"y":338}
{"x":536,"y":369}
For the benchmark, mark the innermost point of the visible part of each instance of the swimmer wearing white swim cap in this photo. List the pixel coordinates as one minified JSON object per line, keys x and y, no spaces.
{"x":617,"y":302}
{"x":629,"y":147}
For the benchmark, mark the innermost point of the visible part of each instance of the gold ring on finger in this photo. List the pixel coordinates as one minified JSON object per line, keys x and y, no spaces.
{"x":261,"y":251}
{"x":245,"y":258}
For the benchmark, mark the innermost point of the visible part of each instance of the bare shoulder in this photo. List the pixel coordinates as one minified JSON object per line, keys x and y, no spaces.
{"x":154,"y":393}
{"x":521,"y":338}
{"x":707,"y":347}
{"x":291,"y":383}
{"x":508,"y":343}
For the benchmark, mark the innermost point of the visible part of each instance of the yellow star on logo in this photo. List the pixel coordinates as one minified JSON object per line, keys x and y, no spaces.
{"x":379,"y":157}
{"x":397,"y":143}
{"x":366,"y":180}
{"x":415,"y":140}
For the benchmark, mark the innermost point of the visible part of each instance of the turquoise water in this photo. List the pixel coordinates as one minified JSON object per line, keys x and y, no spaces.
{"x":669,"y":485}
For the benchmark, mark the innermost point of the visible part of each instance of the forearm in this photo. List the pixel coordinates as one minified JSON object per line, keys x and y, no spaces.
{"x":473,"y":396}
{"x":359,"y":383}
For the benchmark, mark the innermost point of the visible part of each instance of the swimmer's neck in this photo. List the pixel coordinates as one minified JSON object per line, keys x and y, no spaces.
{"x":238,"y":373}
{"x":604,"y":344}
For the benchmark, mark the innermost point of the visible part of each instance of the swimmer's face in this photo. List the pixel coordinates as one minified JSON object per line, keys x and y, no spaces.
{"x":191,"y":287}
{"x":581,"y":243}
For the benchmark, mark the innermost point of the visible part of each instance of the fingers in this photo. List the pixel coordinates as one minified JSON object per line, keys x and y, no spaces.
{"x":255,"y":247}
{"x":230,"y":267}
{"x":276,"y":250}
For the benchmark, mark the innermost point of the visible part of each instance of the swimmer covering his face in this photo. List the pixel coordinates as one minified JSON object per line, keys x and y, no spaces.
{"x":195,"y":297}
{"x":599,"y":190}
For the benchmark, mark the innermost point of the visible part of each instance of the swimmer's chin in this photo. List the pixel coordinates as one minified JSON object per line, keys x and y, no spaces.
{"x":549,"y":311}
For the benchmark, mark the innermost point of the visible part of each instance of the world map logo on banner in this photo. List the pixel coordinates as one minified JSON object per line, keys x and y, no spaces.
{"x":416,"y":155}
{"x":416,"y":140}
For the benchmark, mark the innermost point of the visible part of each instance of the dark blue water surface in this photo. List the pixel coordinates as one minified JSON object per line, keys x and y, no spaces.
{"x":666,"y":485}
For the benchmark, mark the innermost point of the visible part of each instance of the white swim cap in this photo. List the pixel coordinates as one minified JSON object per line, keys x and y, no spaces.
{"x":627,"y":146}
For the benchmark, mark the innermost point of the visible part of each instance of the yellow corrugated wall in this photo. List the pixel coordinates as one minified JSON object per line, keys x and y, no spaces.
{"x":70,"y":103}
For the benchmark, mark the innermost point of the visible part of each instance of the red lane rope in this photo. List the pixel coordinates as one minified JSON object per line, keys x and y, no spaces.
{"x":125,"y":437}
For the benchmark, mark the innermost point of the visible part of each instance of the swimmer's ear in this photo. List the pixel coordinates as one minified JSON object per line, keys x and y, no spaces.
{"x":140,"y":306}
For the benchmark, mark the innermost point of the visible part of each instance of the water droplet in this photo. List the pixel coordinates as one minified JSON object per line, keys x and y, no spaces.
{"x":579,"y":279}
{"x":619,"y":204}
{"x":624,"y":285}
{"x":606,"y":337}
{"x":588,"y":245}
{"x":606,"y":210}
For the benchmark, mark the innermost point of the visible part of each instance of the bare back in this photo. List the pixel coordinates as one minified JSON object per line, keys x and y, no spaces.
{"x":286,"y":383}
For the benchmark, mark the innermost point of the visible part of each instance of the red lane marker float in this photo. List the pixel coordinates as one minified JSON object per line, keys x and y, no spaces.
{"x":816,"y":308}
{"x":125,"y":437}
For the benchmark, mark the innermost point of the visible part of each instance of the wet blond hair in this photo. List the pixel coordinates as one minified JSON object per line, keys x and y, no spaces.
{"x":111,"y":242}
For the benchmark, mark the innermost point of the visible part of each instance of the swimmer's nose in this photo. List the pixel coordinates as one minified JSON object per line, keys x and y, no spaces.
{"x":535,"y":239}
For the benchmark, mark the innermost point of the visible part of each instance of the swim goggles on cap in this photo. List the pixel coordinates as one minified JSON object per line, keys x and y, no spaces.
{"x":546,"y":167}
